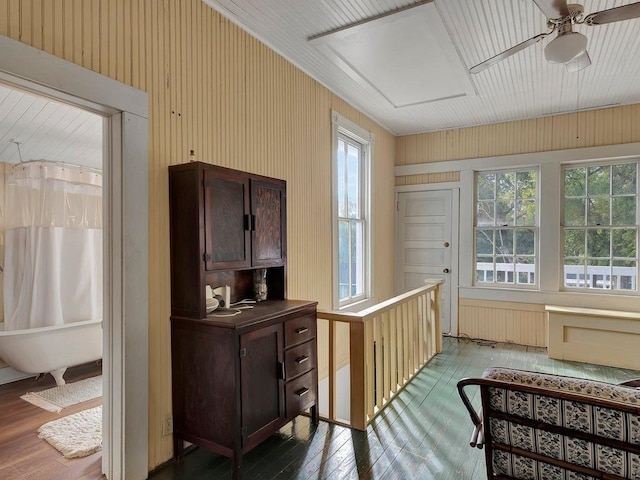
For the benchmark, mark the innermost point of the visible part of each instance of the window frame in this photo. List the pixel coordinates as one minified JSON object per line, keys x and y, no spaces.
{"x":535,"y":227}
{"x":343,"y":127}
{"x":610,"y":227}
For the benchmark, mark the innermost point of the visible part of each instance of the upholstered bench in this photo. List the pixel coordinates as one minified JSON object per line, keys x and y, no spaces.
{"x":543,"y":426}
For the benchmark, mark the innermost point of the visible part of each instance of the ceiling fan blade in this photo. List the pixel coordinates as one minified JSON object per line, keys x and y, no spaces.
{"x":507,"y":53}
{"x":625,"y":12}
{"x":581,"y":62}
{"x":553,"y":8}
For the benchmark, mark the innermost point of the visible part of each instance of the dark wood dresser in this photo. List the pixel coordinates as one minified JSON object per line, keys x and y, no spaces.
{"x":236,"y":380}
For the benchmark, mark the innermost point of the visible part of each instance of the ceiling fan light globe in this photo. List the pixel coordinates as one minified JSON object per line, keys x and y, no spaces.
{"x":566,"y":47}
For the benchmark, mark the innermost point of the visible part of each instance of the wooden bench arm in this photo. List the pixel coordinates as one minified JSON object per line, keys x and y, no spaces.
{"x":634,"y":383}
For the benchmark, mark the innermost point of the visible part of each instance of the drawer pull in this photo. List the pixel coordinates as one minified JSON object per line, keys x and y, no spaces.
{"x":302,"y":359}
{"x":301,"y":330}
{"x":302,"y":392}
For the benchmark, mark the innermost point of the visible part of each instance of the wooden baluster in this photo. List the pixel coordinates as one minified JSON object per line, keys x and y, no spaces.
{"x":393,"y":353}
{"x":368,"y":345}
{"x":405,"y":343}
{"x":419,"y":319}
{"x":386,"y":340}
{"x":332,"y":370}
{"x":379,"y":359}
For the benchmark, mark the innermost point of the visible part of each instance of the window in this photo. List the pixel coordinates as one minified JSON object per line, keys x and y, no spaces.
{"x":600,"y":231}
{"x":352,"y":248}
{"x":506,"y":228}
{"x":351,"y":213}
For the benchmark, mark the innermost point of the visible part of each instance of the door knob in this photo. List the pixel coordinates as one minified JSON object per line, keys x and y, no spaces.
{"x":446,"y":270}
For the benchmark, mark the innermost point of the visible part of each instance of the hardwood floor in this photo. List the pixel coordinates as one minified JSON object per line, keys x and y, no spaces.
{"x":423,"y":434}
{"x":24,"y":456}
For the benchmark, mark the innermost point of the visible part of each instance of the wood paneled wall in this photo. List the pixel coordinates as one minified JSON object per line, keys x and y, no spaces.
{"x":214,"y":89}
{"x":594,"y":128}
{"x":521,"y":323}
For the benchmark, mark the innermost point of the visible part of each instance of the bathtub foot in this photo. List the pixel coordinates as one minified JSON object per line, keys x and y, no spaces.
{"x":57,"y":374}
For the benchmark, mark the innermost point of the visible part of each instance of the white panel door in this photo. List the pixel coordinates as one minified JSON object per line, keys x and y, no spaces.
{"x":424,"y":244}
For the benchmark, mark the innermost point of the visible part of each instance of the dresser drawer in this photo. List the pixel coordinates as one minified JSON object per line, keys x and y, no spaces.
{"x":299,"y":330}
{"x":300,"y":359}
{"x":300,"y":394}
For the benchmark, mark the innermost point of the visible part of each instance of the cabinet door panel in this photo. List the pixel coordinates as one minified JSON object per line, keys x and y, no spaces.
{"x":268,"y":207}
{"x":261,"y":383}
{"x":227,"y":236}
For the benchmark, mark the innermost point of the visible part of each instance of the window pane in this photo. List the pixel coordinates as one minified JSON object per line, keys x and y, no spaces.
{"x":353,"y":181}
{"x":574,"y":212}
{"x":624,"y":211}
{"x":624,"y":243}
{"x":624,"y":275}
{"x":525,"y":213}
{"x":357,"y":259}
{"x":574,"y":273}
{"x":526,"y":184}
{"x":599,"y":273}
{"x":484,"y":242}
{"x":505,"y":185}
{"x":525,"y":242}
{"x":484,"y":269}
{"x":574,"y":243}
{"x":598,"y":181}
{"x":504,"y":213}
{"x":341,"y":173}
{"x":343,"y":259}
{"x":598,"y":242}
{"x":486,"y":214}
{"x":504,"y":242}
{"x":525,"y":271}
{"x":486,"y":186}
{"x":598,"y":211}
{"x":504,"y":269}
{"x":574,"y":182}
{"x":624,"y":179}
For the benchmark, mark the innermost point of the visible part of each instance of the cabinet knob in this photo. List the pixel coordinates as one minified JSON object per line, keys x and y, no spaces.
{"x":302,"y":359}
{"x":301,"y":330}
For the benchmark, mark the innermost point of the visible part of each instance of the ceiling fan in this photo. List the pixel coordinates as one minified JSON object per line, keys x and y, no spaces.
{"x":569,"y":47}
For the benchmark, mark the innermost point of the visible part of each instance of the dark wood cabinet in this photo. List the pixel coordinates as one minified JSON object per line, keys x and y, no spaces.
{"x":224,"y":224}
{"x":235,"y":380}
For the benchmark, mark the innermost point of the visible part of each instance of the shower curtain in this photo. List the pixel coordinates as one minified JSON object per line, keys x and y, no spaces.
{"x":53,"y":245}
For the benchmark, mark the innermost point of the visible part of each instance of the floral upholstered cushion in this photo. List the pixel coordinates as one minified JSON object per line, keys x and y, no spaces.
{"x":581,"y":386}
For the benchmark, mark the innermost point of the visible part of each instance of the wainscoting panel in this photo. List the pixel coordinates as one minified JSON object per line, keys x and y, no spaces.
{"x":521,"y":323}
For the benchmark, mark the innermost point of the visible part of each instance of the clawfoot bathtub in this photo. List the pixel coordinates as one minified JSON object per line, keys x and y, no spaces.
{"x":52,"y":349}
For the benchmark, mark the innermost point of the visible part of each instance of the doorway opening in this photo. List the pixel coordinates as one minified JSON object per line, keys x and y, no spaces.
{"x":125,"y":245}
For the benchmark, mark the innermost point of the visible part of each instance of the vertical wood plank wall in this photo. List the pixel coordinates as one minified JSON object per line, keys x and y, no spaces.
{"x":214,"y":89}
{"x":503,"y":321}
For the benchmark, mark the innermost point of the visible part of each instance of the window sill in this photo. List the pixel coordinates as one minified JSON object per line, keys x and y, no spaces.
{"x":565,"y":298}
{"x":359,"y":305}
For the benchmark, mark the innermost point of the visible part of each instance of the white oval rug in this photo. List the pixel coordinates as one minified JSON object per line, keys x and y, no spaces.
{"x":76,"y":435}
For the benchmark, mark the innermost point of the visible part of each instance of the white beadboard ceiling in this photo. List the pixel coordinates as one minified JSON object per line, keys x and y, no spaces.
{"x":523,"y":86}
{"x":47,"y":130}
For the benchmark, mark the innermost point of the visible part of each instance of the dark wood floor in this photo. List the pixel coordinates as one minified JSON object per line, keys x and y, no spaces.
{"x":423,"y":434}
{"x":24,"y":456}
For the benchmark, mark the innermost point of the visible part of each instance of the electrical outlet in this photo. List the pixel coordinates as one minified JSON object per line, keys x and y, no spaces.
{"x":167,"y":425}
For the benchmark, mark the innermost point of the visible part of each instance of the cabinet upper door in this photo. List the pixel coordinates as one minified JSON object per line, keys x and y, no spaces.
{"x":226,"y":220}
{"x":261,"y":383}
{"x":269,"y":217}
